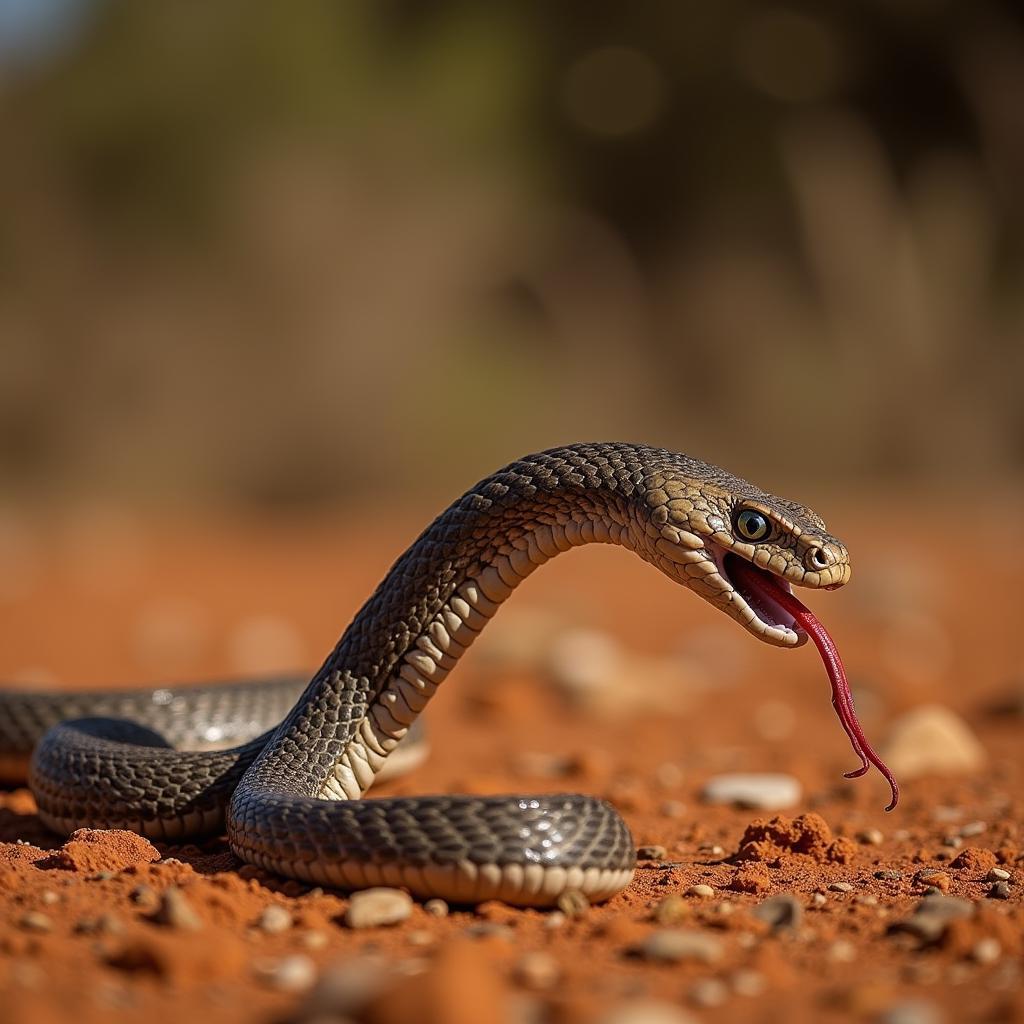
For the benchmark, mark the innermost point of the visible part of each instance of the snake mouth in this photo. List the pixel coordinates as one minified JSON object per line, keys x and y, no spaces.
{"x":755,"y":602}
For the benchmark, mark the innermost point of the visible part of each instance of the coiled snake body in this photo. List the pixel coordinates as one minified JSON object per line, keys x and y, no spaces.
{"x":290,"y":798}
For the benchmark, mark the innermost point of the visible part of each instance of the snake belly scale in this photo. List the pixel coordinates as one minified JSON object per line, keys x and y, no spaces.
{"x":290,"y":799}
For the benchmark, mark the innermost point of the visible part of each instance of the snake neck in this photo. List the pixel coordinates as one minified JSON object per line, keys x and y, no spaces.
{"x":436,"y":600}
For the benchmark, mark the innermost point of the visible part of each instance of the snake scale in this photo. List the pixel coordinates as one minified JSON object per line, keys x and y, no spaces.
{"x":290,"y":798}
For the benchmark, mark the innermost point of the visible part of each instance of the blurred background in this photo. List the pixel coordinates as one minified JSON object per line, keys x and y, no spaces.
{"x":282,"y":254}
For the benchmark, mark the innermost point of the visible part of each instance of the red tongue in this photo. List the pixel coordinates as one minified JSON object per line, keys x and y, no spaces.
{"x":842,"y":699}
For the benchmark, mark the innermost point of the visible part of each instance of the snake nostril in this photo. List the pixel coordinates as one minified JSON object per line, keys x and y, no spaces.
{"x":817,"y":558}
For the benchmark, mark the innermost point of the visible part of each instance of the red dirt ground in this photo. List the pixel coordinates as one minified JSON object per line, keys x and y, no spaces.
{"x":102,"y":597}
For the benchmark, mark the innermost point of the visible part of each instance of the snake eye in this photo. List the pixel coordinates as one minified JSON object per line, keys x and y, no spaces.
{"x":752,"y":525}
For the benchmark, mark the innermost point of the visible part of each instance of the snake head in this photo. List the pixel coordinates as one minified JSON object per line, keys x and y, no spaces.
{"x":695,"y":529}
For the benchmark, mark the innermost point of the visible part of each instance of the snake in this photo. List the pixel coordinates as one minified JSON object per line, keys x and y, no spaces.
{"x":289,"y":799}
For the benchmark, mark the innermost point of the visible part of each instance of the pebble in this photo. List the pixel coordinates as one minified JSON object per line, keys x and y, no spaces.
{"x":377,"y":907}
{"x":871,"y":837}
{"x":538,"y":972}
{"x":701,"y":891}
{"x":436,"y":908}
{"x":671,"y":910}
{"x":937,"y":879}
{"x":763,"y":792}
{"x":841,"y":887}
{"x":344,"y":989}
{"x":646,"y":1011}
{"x":998,"y":875}
{"x":34,"y":921}
{"x":572,"y":903}
{"x":670,"y":946}
{"x":313,"y":940}
{"x":819,"y":899}
{"x":987,"y":950}
{"x":973,"y":828}
{"x":782,"y":911}
{"x":672,"y":808}
{"x":145,"y":896}
{"x":294,"y":973}
{"x":709,"y":993}
{"x":48,"y":897}
{"x":555,"y":919}
{"x":274,"y":920}
{"x":932,"y":740}
{"x":999,"y":891}
{"x":913,"y":1011}
{"x":931,"y":917}
{"x":651,"y":853}
{"x":175,"y":911}
{"x":888,"y":875}
{"x":842,"y":952}
{"x":748,"y":983}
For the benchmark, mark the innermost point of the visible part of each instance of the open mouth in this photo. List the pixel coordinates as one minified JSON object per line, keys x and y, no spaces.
{"x":760,"y":590}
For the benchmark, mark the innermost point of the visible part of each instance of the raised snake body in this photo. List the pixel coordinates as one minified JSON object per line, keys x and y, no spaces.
{"x":290,"y":800}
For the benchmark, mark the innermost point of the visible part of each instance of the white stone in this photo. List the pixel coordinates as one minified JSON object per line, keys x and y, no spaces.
{"x":763,"y":792}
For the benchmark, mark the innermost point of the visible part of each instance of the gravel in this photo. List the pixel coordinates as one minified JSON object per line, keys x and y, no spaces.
{"x":782,"y":911}
{"x":295,"y":973}
{"x":763,"y":792}
{"x":34,"y":921}
{"x":671,"y":945}
{"x":175,"y":911}
{"x":274,"y":920}
{"x":538,"y":972}
{"x":378,"y":907}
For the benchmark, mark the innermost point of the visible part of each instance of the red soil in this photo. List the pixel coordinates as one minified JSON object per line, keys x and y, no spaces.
{"x":83,"y":935}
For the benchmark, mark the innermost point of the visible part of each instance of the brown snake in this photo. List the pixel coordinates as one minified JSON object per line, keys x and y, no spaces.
{"x":290,"y":799}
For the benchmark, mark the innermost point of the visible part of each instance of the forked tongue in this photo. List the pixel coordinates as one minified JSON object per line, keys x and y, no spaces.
{"x":842,"y":700}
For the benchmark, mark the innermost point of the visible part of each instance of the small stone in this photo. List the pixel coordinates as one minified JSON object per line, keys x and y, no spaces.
{"x":888,"y":875}
{"x":973,"y":828}
{"x":646,"y":1011}
{"x":377,"y":907}
{"x":866,"y":899}
{"x":913,"y":1011}
{"x":538,"y":972}
{"x":998,"y":875}
{"x":294,"y":973}
{"x":420,"y":937}
{"x":819,"y":899}
{"x":176,"y":912}
{"x":554,"y":920}
{"x":842,"y":952}
{"x":709,"y":993}
{"x":313,"y":940}
{"x":671,"y":910}
{"x":932,"y":916}
{"x":490,"y":930}
{"x":436,"y":908}
{"x":999,"y":891}
{"x":748,"y":983}
{"x":668,"y":945}
{"x":974,"y":859}
{"x":871,"y":837}
{"x":48,"y":897}
{"x":987,"y":950}
{"x":700,"y":891}
{"x":841,"y":887}
{"x":764,"y":792}
{"x":932,"y":740}
{"x":936,"y":879}
{"x":573,"y":903}
{"x":145,"y":897}
{"x":651,"y":853}
{"x":672,"y":808}
{"x":344,"y":989}
{"x":669,"y":775}
{"x":274,"y":920}
{"x":783,"y":911}
{"x":34,"y":921}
